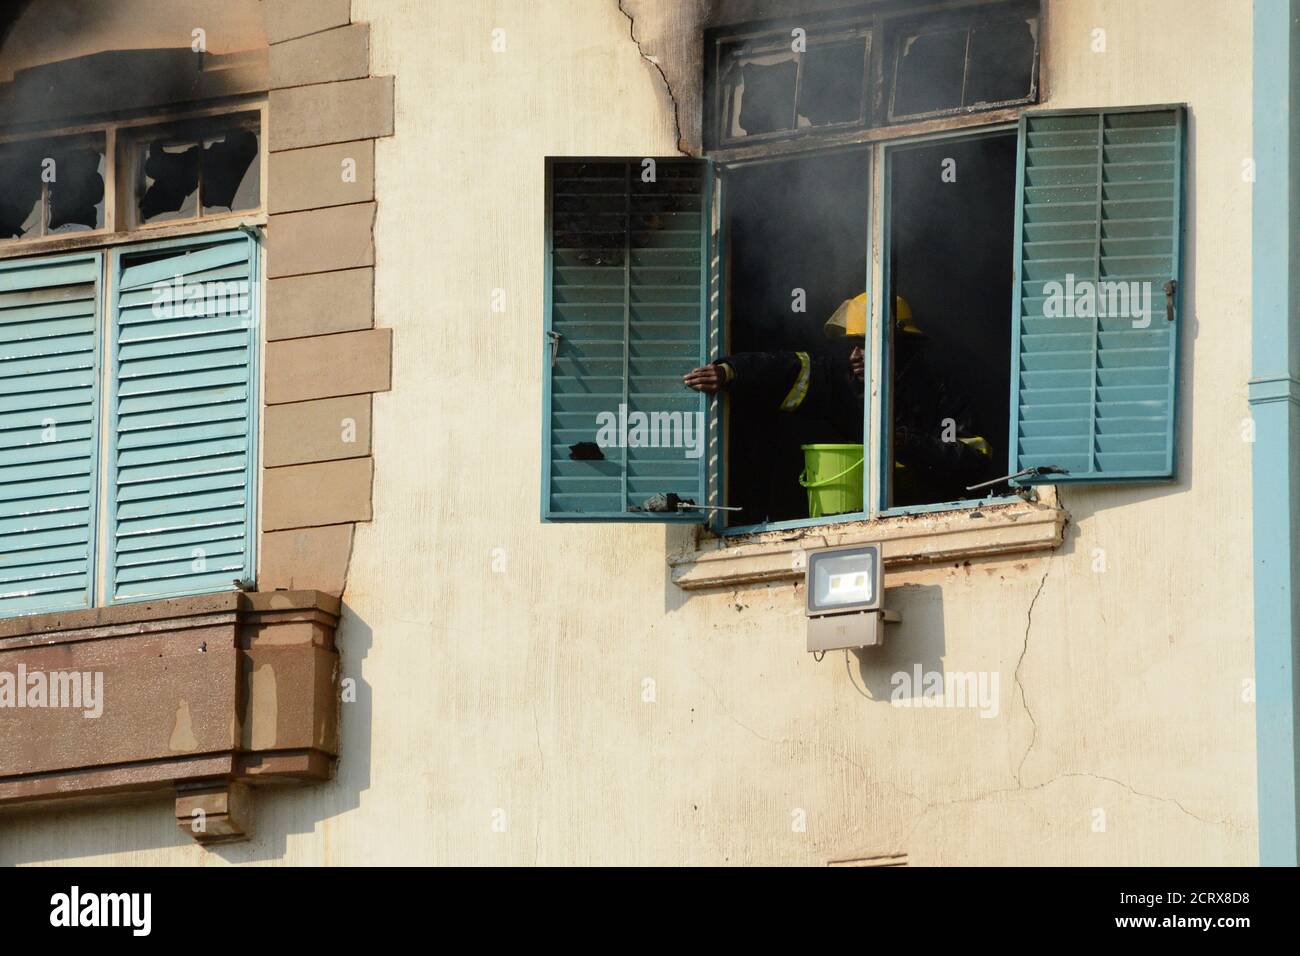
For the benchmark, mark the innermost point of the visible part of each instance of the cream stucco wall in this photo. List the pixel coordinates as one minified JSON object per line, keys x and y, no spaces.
{"x":501,"y":663}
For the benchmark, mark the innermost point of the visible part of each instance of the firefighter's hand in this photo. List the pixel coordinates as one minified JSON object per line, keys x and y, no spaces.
{"x":858,"y":363}
{"x":708,"y":379}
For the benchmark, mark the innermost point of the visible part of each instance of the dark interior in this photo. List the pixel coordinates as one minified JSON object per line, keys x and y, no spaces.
{"x":951,"y":249}
{"x":790,"y":224}
{"x":943,"y":70}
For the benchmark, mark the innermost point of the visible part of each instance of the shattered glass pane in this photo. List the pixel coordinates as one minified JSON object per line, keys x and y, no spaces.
{"x":20,"y":192}
{"x":832,"y":87}
{"x":765,"y":97}
{"x":931,"y":68}
{"x":231,"y":173}
{"x":168,"y":183}
{"x":1001,"y":62}
{"x":76,"y":191}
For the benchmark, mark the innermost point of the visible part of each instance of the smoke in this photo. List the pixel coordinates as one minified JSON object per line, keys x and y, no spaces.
{"x":798,"y":235}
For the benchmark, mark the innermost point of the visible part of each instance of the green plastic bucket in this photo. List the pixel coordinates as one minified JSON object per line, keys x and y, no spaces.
{"x":832,"y":475}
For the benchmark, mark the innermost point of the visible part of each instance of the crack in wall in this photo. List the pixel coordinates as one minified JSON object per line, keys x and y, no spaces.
{"x":668,"y":88}
{"x":1230,"y":824}
{"x":1020,"y":788}
{"x":1024,"y":698}
{"x":928,"y":805}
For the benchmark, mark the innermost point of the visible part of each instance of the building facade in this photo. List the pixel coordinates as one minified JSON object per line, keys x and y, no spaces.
{"x":393,"y":657}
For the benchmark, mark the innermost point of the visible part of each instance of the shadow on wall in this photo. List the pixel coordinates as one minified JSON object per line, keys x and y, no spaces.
{"x":915,"y":642}
{"x":88,"y":832}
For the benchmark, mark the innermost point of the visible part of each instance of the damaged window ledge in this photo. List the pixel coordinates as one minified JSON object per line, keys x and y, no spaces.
{"x":1012,"y":528}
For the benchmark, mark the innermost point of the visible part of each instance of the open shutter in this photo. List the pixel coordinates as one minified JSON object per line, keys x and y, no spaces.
{"x":1094,"y":386}
{"x":626,"y":298}
{"x":182,"y":417}
{"x":49,"y":426}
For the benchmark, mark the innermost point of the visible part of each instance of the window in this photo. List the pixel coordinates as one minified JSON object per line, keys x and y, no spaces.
{"x":128,"y":418}
{"x":194,"y":170}
{"x":1042,"y":287}
{"x":833,"y":77}
{"x":797,"y":248}
{"x":771,"y":85}
{"x":947,"y":352}
{"x":626,"y":291}
{"x":980,"y":60}
{"x":1094,"y":365}
{"x":52,"y":186}
{"x":127,"y":422}
{"x":131,"y":175}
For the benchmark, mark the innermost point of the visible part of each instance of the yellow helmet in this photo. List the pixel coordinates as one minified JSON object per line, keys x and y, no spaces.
{"x":903,"y":318}
{"x":850,"y":319}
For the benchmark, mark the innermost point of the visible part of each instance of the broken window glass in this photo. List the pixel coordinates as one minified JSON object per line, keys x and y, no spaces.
{"x":196,"y":170}
{"x":51,"y":186}
{"x":931,"y":71}
{"x":765,"y":97}
{"x":832,"y":88}
{"x":779,"y":82}
{"x":828,"y":73}
{"x":231,"y":179}
{"x":1001,"y":62}
{"x":169,"y":186}
{"x":76,"y":191}
{"x":21,"y":192}
{"x":978,"y":64}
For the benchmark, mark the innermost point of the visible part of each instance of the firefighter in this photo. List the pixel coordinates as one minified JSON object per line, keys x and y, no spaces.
{"x":936,"y":450}
{"x":829,"y":386}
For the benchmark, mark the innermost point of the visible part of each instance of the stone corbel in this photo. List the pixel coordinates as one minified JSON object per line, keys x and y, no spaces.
{"x":202,"y":697}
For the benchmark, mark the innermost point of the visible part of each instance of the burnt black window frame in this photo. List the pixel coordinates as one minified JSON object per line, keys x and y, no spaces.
{"x":885,"y":26}
{"x":776,"y":37}
{"x":902,"y":28}
{"x":878,"y":135}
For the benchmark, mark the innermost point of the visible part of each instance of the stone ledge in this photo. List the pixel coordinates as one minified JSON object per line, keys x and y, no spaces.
{"x":329,"y":239}
{"x":314,"y":178}
{"x":323,"y":493}
{"x":318,"y":554}
{"x":342,"y":53}
{"x":329,"y":366}
{"x":201,"y":692}
{"x":320,"y":304}
{"x":935,"y":537}
{"x":324,"y":113}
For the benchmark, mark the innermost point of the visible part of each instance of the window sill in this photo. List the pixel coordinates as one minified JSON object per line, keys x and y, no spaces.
{"x":102,"y":239}
{"x":200,"y":696}
{"x":927,"y":538}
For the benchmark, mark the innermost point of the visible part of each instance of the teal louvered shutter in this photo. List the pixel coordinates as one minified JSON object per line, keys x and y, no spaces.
{"x":1098,"y":254}
{"x":626,"y":300}
{"x":182,"y":428}
{"x":49,"y":427}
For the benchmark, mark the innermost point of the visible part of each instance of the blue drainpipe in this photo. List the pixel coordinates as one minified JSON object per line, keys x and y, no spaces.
{"x":1275,"y":405}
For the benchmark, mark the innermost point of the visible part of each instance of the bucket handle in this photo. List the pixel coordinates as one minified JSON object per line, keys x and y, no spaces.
{"x":827,"y":481}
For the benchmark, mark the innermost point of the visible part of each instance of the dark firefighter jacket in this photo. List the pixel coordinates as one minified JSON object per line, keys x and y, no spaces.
{"x":824,"y":386}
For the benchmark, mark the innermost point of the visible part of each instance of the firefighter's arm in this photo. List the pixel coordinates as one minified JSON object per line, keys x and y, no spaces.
{"x":710,"y":379}
{"x":767,"y":377}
